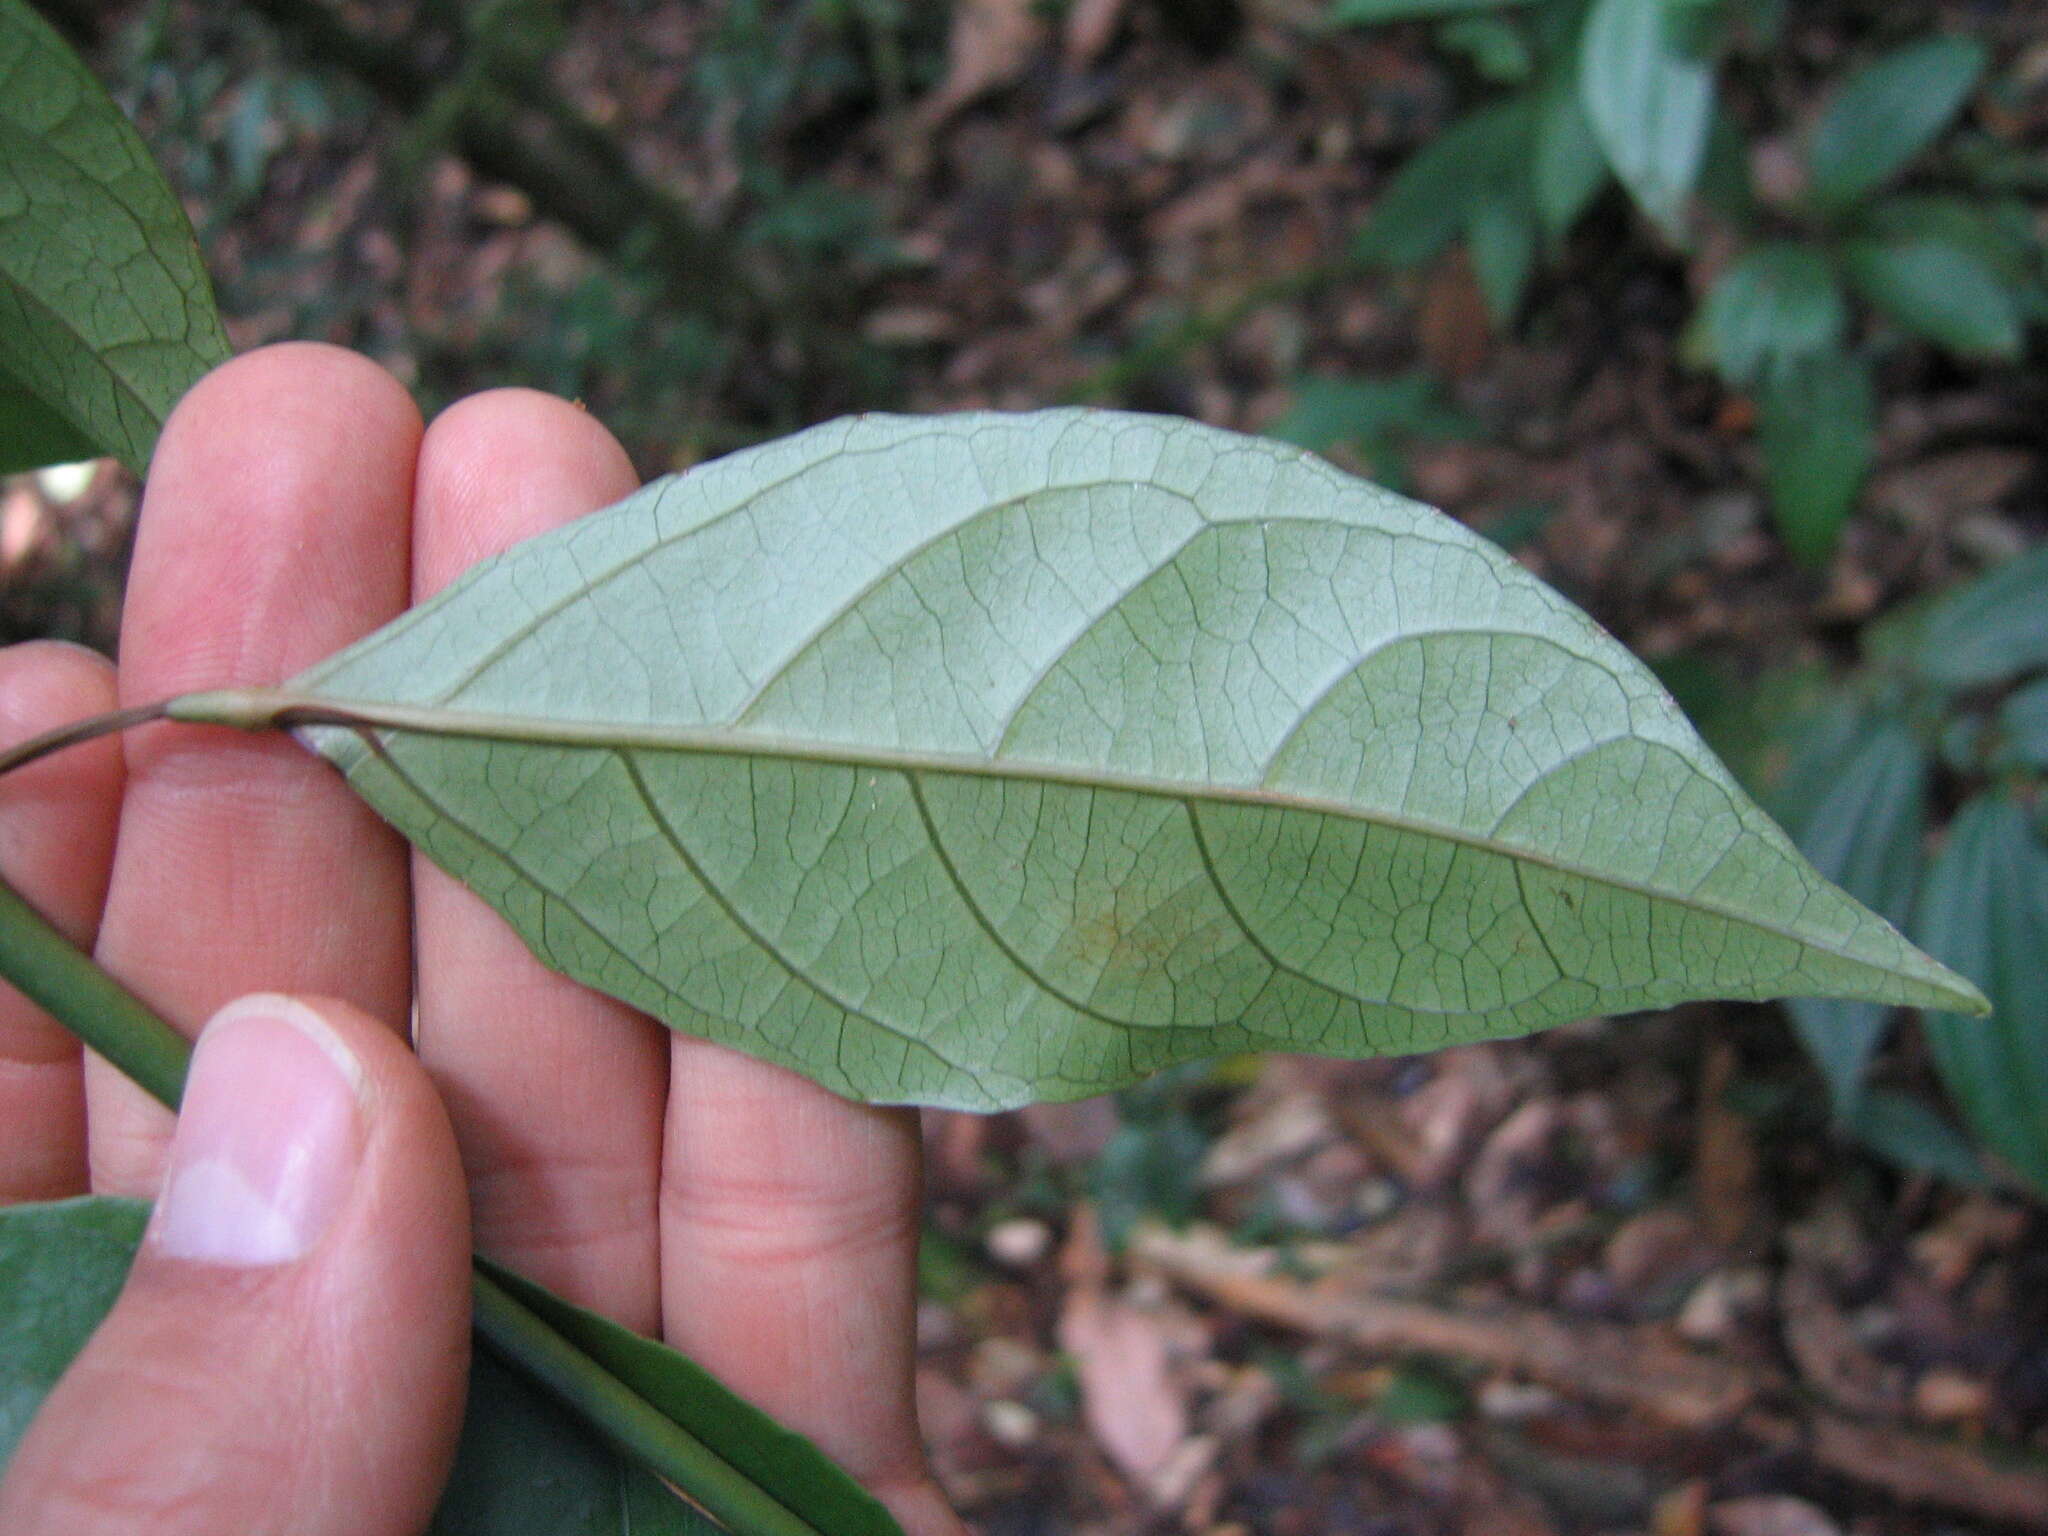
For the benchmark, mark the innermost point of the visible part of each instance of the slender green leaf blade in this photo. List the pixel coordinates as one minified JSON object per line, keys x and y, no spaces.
{"x":1940,"y":291}
{"x":974,"y":760}
{"x":524,"y":1466}
{"x":780,"y":1460}
{"x":1887,"y":113}
{"x":1985,"y":910}
{"x":105,"y":310}
{"x":1818,"y":431}
{"x":1650,"y":103}
{"x":1993,"y":629}
{"x":1778,"y":304}
{"x":1502,"y":234}
{"x":1865,"y":836}
{"x":61,"y":1266}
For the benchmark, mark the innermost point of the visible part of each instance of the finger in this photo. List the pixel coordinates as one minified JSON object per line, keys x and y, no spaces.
{"x":789,"y":1257}
{"x":556,"y":1092}
{"x":290,"y":1350}
{"x":274,"y":531}
{"x":56,"y":840}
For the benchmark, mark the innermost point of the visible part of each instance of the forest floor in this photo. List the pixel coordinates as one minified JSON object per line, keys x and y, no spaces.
{"x":1619,"y":1278}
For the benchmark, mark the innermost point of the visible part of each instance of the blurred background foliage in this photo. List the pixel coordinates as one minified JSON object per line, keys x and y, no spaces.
{"x":1725,"y":315}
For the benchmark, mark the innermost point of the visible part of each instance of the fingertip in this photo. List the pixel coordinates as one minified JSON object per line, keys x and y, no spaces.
{"x":503,"y":465}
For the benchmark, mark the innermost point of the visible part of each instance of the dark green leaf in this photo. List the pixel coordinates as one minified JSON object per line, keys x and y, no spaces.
{"x":32,"y":435}
{"x":1649,"y":102}
{"x":1424,"y":208}
{"x":1368,"y":13}
{"x":1937,"y":290}
{"x":1991,"y":630}
{"x":1914,"y":1135}
{"x":1373,"y":416}
{"x":524,"y":1467}
{"x":61,"y":1266}
{"x":1778,"y":304}
{"x":983,"y":759}
{"x":1570,"y":167}
{"x":1985,"y":910}
{"x":1495,"y":46}
{"x":1818,"y":432}
{"x":105,"y":311}
{"x":1864,"y":834}
{"x":1887,"y":113}
{"x":778,"y":1459}
{"x":2023,"y":722}
{"x":1502,"y":234}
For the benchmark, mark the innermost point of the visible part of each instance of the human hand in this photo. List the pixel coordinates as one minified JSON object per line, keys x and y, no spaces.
{"x":295,"y":1361}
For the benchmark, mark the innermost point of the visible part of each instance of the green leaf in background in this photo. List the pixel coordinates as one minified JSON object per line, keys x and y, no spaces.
{"x":1369,"y":13}
{"x":1887,"y":113}
{"x":1649,"y":102}
{"x":1937,"y":290}
{"x":2023,"y":722}
{"x":1497,"y":49}
{"x":1991,"y":630}
{"x":32,"y":435}
{"x":1570,"y":169}
{"x":1425,"y":206}
{"x":105,"y":311}
{"x":61,"y":1266}
{"x":1985,"y":911}
{"x":524,"y":1467}
{"x":1501,"y":232}
{"x":1864,"y":834}
{"x":980,"y":759}
{"x":1910,"y":1133}
{"x":777,"y":1459}
{"x":1818,"y":432}
{"x":1778,"y":304}
{"x":1376,"y":417}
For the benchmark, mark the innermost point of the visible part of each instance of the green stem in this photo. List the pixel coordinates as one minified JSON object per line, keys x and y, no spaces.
{"x":63,"y":980}
{"x":64,"y":983}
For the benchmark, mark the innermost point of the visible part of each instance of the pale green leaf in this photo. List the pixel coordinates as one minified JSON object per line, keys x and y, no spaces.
{"x":523,"y":1467}
{"x":1818,"y":431}
{"x":1887,"y":113}
{"x":105,"y":311}
{"x":980,"y":759}
{"x":1650,"y":103}
{"x":1865,"y":836}
{"x":1985,"y":910}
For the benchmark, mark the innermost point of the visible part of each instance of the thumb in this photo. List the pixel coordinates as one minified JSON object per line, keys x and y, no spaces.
{"x":290,"y":1350}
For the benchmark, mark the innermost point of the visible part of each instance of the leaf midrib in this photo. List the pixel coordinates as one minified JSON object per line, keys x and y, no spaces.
{"x":275,"y":708}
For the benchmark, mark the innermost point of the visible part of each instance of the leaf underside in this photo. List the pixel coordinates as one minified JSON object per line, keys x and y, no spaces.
{"x":982,"y":759}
